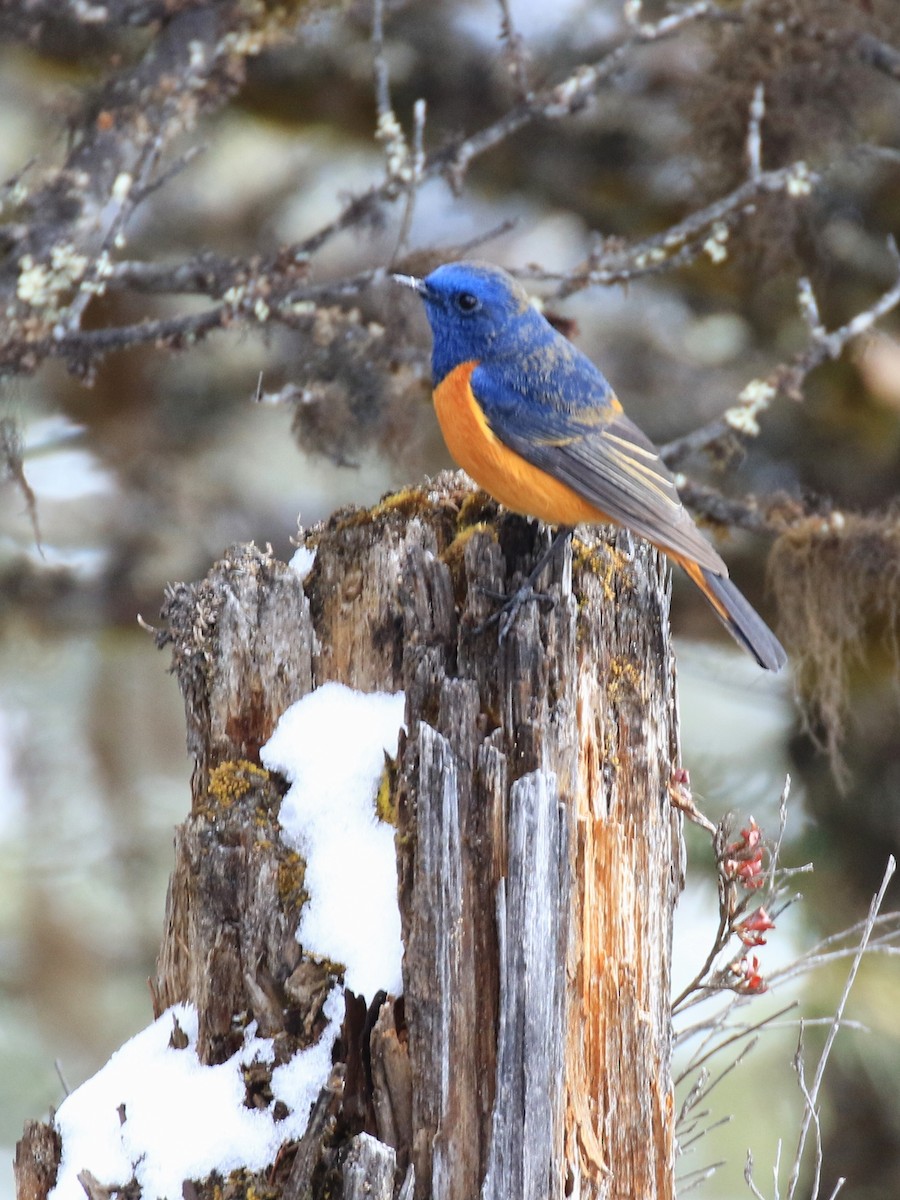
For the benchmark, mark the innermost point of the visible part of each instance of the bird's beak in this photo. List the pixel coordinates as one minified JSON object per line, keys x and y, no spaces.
{"x":417,"y":285}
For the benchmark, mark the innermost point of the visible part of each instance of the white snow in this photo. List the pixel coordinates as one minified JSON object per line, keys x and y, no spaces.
{"x":159,"y":1114}
{"x":330,"y":745}
{"x":302,"y":561}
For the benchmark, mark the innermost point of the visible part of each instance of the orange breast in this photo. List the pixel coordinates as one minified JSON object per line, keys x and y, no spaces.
{"x":496,"y":468}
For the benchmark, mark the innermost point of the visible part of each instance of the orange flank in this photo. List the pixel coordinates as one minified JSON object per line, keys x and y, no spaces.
{"x":500,"y":471}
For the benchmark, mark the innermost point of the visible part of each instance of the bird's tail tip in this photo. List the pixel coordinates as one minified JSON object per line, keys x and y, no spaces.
{"x":742,"y":621}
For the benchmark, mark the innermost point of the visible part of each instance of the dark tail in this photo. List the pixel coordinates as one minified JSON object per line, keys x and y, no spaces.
{"x":738,"y":616}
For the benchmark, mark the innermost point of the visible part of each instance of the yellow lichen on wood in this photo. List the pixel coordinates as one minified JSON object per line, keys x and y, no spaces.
{"x":231,"y":781}
{"x":290,"y":882}
{"x":475,"y":509}
{"x":606,"y":563}
{"x":386,"y":796}
{"x":623,"y":673}
{"x":454,"y":554}
{"x":408,"y":502}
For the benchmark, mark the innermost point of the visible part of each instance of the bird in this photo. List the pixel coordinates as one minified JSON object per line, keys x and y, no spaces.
{"x":536,"y":424}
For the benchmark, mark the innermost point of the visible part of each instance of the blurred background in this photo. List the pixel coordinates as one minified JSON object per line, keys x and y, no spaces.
{"x":145,"y":468}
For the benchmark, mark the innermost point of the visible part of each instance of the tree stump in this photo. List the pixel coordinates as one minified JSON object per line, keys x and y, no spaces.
{"x":539,"y":856}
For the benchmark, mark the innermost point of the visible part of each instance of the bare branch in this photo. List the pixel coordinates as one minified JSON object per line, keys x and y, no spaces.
{"x":787,"y":378}
{"x":686,"y":1183}
{"x":12,"y":468}
{"x":748,"y":1177}
{"x":75,"y":216}
{"x":25,"y":20}
{"x":566,"y":98}
{"x":810,"y":1113}
{"x":703,"y":232}
{"x":772,"y":1021}
{"x":379,"y":62}
{"x":418,"y":167}
{"x":63,"y":261}
{"x":814,"y":1112}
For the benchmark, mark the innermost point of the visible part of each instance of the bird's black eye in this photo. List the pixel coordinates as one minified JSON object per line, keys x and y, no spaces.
{"x":466,"y":302}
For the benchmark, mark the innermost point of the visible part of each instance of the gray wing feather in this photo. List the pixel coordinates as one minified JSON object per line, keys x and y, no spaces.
{"x":614,"y":466}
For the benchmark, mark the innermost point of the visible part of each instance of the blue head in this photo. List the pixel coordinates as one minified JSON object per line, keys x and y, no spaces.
{"x":476,"y":312}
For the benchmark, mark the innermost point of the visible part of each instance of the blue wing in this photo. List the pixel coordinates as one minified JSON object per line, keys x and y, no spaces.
{"x":553,"y":407}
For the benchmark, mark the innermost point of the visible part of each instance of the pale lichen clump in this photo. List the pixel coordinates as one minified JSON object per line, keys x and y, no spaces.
{"x":714,"y":246}
{"x":389,"y":132}
{"x":651,"y":257}
{"x":800,"y":180}
{"x":753,"y":400}
{"x":42,"y":284}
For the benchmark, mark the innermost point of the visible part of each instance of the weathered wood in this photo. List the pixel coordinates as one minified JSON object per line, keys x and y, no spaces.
{"x":525,"y":1157}
{"x":584,"y":692}
{"x":369,"y":1170}
{"x":391,"y":1084}
{"x":310,"y":1150}
{"x":538,"y":854}
{"x":242,"y":648}
{"x":37,"y":1158}
{"x":628,"y":872}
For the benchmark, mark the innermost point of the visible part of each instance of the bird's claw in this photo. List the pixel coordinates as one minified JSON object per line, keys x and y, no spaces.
{"x":505,"y":616}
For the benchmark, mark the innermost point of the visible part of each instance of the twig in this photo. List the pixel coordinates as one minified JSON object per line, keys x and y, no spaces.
{"x":787,"y":378}
{"x":736,"y":1062}
{"x":769,"y":1022}
{"x":684,"y":1143}
{"x":379,"y":62}
{"x":57,"y":1066}
{"x":703,"y":232}
{"x":403,"y":166}
{"x":810,"y":1110}
{"x":12,"y":466}
{"x":418,"y":166}
{"x":754,"y":131}
{"x":140,"y":193}
{"x":85,"y":346}
{"x":748,"y":1177}
{"x":697,"y":982}
{"x":124,"y":195}
{"x":687,"y":1183}
{"x":515,"y":46}
{"x":733,"y":512}
{"x":886,"y":153}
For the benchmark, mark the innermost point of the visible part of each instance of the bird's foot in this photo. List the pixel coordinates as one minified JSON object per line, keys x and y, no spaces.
{"x":506,"y":614}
